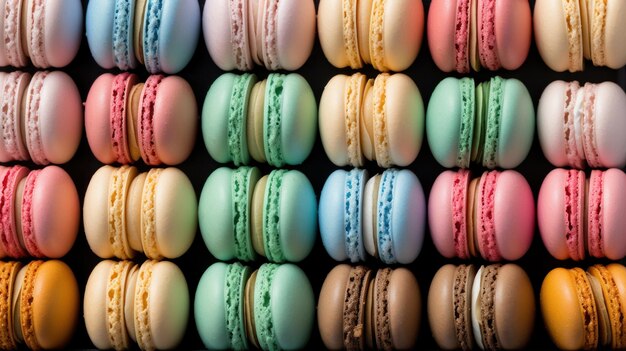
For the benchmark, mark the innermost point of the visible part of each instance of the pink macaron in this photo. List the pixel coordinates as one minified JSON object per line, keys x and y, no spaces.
{"x":579,"y":217}
{"x":492,"y":216}
{"x":41,"y":117}
{"x":39,"y":212}
{"x":479,"y":33}
{"x":126,"y":119}
{"x":583,"y":125}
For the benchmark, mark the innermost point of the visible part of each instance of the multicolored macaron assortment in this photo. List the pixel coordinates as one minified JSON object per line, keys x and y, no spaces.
{"x":160,"y":34}
{"x":271,"y":308}
{"x":271,"y":33}
{"x":244,"y":215}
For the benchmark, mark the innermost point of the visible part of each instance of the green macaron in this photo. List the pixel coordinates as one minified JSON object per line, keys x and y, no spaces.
{"x":491,"y":124}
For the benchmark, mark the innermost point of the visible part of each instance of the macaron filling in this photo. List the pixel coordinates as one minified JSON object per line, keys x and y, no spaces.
{"x":611,"y":298}
{"x":271,"y":217}
{"x":571,"y":125}
{"x":272,"y":127}
{"x":353,"y":198}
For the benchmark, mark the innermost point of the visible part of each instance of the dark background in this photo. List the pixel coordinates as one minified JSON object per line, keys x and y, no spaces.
{"x":201,"y":72}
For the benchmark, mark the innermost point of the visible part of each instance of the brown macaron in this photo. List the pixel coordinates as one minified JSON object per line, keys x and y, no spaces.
{"x":492,"y":308}
{"x":359,"y":308}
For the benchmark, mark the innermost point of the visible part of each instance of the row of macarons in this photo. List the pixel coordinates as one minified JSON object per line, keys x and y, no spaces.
{"x":163,"y":34}
{"x":273,"y":307}
{"x":244,"y":215}
{"x":275,"y":120}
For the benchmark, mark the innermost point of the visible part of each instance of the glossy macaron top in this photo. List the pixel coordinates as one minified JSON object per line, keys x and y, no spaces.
{"x":46,"y":32}
{"x":492,"y":216}
{"x":378,"y":119}
{"x":385,"y":34}
{"x":360,"y":308}
{"x":581,"y":125}
{"x":162,"y":34}
{"x":479,"y":33}
{"x":579,"y":217}
{"x":272,"y":33}
{"x":492,"y":123}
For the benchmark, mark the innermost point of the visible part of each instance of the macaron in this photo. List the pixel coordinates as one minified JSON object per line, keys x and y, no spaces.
{"x":127,"y":212}
{"x":272,"y":121}
{"x":42,"y":118}
{"x":479,"y":33}
{"x":271,"y":33}
{"x":39,"y":304}
{"x":383,"y":216}
{"x":567,"y":32}
{"x":490,"y":308}
{"x":492,"y":216}
{"x":583,"y":125}
{"x":161,"y":34}
{"x":271,"y":308}
{"x":126,"y":119}
{"x":579,"y":217}
{"x":45,"y":33}
{"x":243,"y":214}
{"x":491,"y":124}
{"x":378,"y":119}
{"x":385,"y":34}
{"x":359,"y":308}
{"x":585,"y":310}
{"x":147,"y":304}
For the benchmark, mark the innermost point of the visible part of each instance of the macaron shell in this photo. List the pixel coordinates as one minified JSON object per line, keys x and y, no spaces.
{"x":404,"y":110}
{"x":55,"y":304}
{"x":441,"y":214}
{"x":298,"y":216}
{"x":513,"y":31}
{"x":403,"y":28}
{"x":94,"y":305}
{"x":404,"y":305}
{"x":549,"y":20}
{"x":441,"y":31}
{"x":96,"y":203}
{"x":298,"y":119}
{"x":14,"y":87}
{"x":175,"y":120}
{"x":332,"y":119}
{"x":168,"y":305}
{"x":177,"y":35}
{"x":618,"y":273}
{"x":175,"y":211}
{"x":613,"y":208}
{"x":218,"y":26}
{"x":215,"y":214}
{"x":514,"y":215}
{"x":98,"y":120}
{"x":331,"y":31}
{"x":514,"y":307}
{"x":292,"y":307}
{"x":330,"y":306}
{"x":99,"y":31}
{"x":562,"y":310}
{"x":55,"y":212}
{"x":441,"y":308}
{"x":209,"y":307}
{"x":443,"y":122}
{"x":517,"y":124}
{"x":550,"y":123}
{"x":615,"y":52}
{"x":60,"y":117}
{"x":408,"y":217}
{"x":332,"y":215}
{"x":610,"y":124}
{"x":295,"y":33}
{"x":215,"y":113}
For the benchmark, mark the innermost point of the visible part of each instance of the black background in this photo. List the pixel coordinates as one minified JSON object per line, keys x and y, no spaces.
{"x":201,"y":72}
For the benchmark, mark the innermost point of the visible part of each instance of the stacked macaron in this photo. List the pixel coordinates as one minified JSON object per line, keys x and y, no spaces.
{"x":45,"y":32}
{"x":585,"y":310}
{"x":244,"y":215}
{"x":378,"y":119}
{"x":360,"y":309}
{"x":567,"y":32}
{"x":273,"y":120}
{"x":147,"y":303}
{"x":479,"y":33}
{"x":153,"y":213}
{"x":271,"y":308}
{"x":491,"y":308}
{"x":385,"y":34}
{"x":41,"y":117}
{"x":38,"y":305}
{"x":126,"y":119}
{"x":272,"y":33}
{"x":383,"y":216}
{"x":491,"y":124}
{"x":161,"y":34}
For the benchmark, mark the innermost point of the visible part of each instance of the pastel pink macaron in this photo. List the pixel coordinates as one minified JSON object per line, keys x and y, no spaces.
{"x":492,"y":216}
{"x":41,"y":117}
{"x":479,"y":33}
{"x":583,"y":125}
{"x":126,"y":119}
{"x":579,"y":217}
{"x":39,"y":212}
